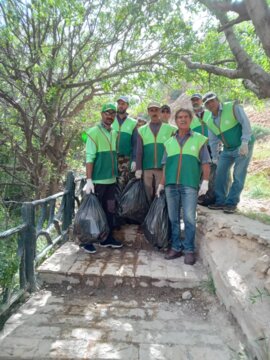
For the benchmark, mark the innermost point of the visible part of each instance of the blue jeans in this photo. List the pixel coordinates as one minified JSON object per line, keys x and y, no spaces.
{"x":178,"y":196}
{"x":227,"y":159}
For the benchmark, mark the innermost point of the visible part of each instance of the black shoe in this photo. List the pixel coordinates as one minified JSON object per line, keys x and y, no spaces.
{"x":190,"y":258}
{"x":112,"y":243}
{"x":216,"y":206}
{"x":89,"y":248}
{"x":173,"y":254}
{"x":229,"y":209}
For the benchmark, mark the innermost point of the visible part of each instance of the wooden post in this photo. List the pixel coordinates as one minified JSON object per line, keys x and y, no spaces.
{"x":69,"y":201}
{"x":29,"y":239}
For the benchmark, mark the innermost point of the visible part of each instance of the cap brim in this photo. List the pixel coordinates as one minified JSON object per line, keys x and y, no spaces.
{"x":211,"y":98}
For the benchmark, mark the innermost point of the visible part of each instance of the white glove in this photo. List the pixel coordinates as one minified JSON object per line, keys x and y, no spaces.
{"x":203,"y":188}
{"x":138,"y":174}
{"x":243,"y":150}
{"x":215,"y":161}
{"x":133,"y":166}
{"x":159,"y":189}
{"x":89,"y":187}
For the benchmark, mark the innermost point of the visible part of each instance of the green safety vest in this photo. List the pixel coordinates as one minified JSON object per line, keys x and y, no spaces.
{"x":153,"y":146}
{"x":105,"y":164}
{"x":124,"y":135}
{"x":183,"y":163}
{"x":199,"y":125}
{"x":229,"y":130}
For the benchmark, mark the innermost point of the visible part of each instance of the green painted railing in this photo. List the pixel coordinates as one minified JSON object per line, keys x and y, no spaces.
{"x":43,"y":218}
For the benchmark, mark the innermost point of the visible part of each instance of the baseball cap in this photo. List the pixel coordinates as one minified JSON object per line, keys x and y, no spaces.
{"x":196,"y":95}
{"x":108,"y":106}
{"x":165,"y":107}
{"x":123,"y":98}
{"x":209,"y":96}
{"x":153,"y":104}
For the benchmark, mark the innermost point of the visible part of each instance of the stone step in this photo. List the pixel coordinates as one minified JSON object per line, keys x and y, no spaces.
{"x":101,"y":325}
{"x":112,"y":267}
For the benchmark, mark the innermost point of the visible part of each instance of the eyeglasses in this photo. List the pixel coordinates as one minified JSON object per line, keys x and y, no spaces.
{"x":109,"y":112}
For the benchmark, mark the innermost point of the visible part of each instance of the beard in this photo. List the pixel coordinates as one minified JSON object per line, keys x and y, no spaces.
{"x":121,"y":112}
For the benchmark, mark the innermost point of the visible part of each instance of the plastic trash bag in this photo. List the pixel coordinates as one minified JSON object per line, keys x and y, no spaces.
{"x":133,"y":203}
{"x":90,"y":224}
{"x":209,"y":198}
{"x":156,"y":226}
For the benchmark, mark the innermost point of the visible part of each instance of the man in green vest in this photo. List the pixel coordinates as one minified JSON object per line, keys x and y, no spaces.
{"x":125,"y":127}
{"x":228,"y":123}
{"x":150,"y":148}
{"x":198,"y":123}
{"x":186,"y":156}
{"x":101,"y":169}
{"x":165,"y":113}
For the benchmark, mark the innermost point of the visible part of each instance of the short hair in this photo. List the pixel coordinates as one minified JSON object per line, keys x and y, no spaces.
{"x":189,"y":112}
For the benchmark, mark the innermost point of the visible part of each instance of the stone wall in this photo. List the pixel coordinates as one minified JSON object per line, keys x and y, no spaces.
{"x":237,"y":252}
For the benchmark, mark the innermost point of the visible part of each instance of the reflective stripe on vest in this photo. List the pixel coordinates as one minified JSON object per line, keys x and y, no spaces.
{"x":183,"y":163}
{"x":153,"y":146}
{"x":229,"y":130}
{"x":199,"y":125}
{"x":105,"y":164}
{"x":124,"y":135}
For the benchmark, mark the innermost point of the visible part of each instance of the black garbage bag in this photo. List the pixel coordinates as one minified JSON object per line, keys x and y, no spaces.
{"x":209,"y":198}
{"x":156,"y":226}
{"x":133,"y":204}
{"x":90,"y":224}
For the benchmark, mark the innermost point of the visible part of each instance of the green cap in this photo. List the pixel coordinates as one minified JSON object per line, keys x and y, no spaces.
{"x":108,"y":106}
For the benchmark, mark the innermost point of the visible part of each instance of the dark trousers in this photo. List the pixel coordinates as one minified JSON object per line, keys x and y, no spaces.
{"x":106,"y":197}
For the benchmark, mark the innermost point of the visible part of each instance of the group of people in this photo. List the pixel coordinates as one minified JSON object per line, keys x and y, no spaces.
{"x":174,"y":159}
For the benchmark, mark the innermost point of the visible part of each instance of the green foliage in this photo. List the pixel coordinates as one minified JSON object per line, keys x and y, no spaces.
{"x":209,"y":285}
{"x":260,"y":132}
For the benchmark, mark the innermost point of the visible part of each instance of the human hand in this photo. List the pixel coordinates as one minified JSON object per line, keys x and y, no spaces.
{"x":159,"y":189}
{"x":138,"y":174}
{"x":203,"y":188}
{"x":243,"y":150}
{"x":133,"y":166}
{"x":89,"y":187}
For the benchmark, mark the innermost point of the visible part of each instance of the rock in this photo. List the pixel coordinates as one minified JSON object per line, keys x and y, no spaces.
{"x":236,"y":230}
{"x":263,"y":264}
{"x":267,"y":285}
{"x":186,"y":295}
{"x":69,"y":287}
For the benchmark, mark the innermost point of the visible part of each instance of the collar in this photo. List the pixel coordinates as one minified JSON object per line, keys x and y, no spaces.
{"x":189,"y":133}
{"x":104,"y":127}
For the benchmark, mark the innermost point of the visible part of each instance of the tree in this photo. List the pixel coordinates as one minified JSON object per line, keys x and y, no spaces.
{"x":57,"y":55}
{"x":243,"y":63}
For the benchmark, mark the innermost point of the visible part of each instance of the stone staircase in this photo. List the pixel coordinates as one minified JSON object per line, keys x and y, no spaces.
{"x":127,"y":304}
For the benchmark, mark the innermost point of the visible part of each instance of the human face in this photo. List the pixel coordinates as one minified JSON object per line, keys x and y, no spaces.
{"x":154,"y":113}
{"x":213,"y":106}
{"x":183,"y":121}
{"x":196,"y":103}
{"x":165,"y":115}
{"x":108,"y":117}
{"x":121,"y":107}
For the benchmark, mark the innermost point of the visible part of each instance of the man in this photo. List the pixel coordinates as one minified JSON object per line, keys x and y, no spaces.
{"x":101,"y":169}
{"x":150,"y":148}
{"x":198,"y":123}
{"x":186,"y":155}
{"x":165,"y":113}
{"x":126,"y":140}
{"x":228,"y":123}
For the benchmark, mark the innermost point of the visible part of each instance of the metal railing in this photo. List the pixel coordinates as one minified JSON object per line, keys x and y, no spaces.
{"x":40,"y":218}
